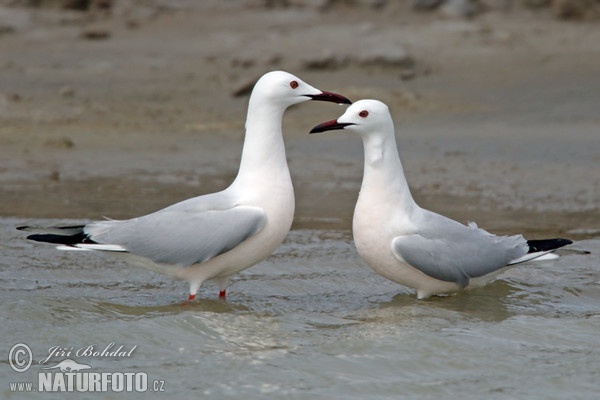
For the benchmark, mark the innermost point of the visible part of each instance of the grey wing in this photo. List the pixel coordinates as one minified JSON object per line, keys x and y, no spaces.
{"x":459,"y":253}
{"x":179,"y":235}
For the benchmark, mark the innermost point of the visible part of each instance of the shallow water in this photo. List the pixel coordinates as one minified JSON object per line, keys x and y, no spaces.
{"x":311,"y":322}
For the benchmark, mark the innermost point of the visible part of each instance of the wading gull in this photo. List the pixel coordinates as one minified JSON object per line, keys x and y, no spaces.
{"x":408,"y":244}
{"x":219,"y":234}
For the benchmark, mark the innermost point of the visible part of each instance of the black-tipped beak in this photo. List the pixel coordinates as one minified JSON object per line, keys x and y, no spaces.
{"x":330,"y":126}
{"x":328,"y":96}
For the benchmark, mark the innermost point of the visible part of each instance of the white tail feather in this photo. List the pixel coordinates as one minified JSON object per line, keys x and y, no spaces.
{"x":537,"y":256}
{"x":69,"y":248}
{"x":92,"y":247}
{"x":100,"y":247}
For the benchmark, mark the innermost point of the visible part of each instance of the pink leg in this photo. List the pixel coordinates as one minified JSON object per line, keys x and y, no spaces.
{"x":223,"y":282}
{"x":192,"y":297}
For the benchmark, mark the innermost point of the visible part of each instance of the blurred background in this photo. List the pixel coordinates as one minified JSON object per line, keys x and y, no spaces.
{"x":118,"y":107}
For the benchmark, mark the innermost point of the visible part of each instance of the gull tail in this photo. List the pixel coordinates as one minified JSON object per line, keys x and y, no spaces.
{"x":67,"y":238}
{"x":541,"y":249}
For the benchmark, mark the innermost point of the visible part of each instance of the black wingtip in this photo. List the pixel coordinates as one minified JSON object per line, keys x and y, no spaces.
{"x":60,"y":239}
{"x":69,"y":235}
{"x":547,"y":244}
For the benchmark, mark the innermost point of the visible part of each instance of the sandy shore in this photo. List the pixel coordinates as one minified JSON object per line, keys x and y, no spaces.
{"x":497,"y":117}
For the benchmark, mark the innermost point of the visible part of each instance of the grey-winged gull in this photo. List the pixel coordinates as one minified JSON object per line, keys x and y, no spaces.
{"x":215,"y":235}
{"x":408,"y":244}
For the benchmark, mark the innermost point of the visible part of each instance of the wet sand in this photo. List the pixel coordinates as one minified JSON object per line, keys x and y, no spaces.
{"x":496,"y":117}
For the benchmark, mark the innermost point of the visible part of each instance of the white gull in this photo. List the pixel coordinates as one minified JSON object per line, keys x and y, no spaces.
{"x":219,"y":234}
{"x":408,"y":244}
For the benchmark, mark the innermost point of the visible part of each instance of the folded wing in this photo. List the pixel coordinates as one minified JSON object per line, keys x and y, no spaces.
{"x":457,"y":253}
{"x":181,"y":236}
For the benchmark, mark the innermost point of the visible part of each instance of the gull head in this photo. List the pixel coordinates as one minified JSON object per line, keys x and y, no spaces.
{"x":365,"y":117}
{"x":287,"y":89}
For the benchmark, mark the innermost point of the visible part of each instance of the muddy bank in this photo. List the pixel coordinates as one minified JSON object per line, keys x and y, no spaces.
{"x":496,"y":116}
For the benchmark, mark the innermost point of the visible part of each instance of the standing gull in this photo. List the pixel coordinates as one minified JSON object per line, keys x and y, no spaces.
{"x":408,"y":244}
{"x":219,"y":234}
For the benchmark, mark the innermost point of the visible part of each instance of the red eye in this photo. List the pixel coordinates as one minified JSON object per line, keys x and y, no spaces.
{"x":363,"y":114}
{"x":293,"y":84}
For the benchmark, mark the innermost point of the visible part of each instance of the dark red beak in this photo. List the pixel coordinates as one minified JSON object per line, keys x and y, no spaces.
{"x":328,"y":96}
{"x":330,"y":126}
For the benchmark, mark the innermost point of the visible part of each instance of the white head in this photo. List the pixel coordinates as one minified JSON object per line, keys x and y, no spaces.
{"x":287,"y":89}
{"x":365,"y":117}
